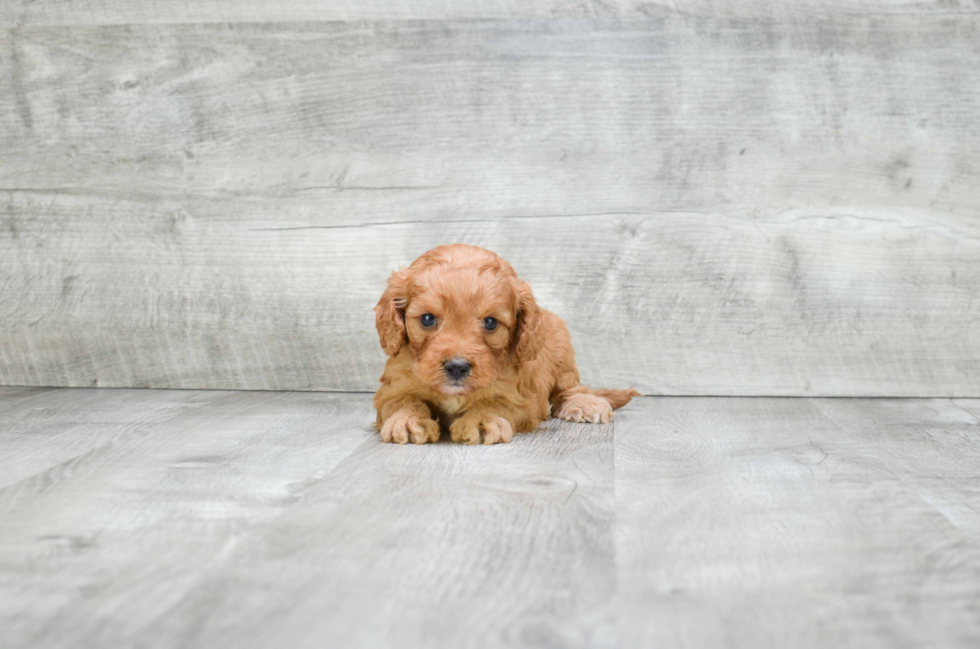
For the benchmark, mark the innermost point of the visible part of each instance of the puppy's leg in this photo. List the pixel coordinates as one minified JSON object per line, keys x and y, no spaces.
{"x":407,"y":420}
{"x":573,"y":402}
{"x":484,"y":423}
{"x":585,"y":407}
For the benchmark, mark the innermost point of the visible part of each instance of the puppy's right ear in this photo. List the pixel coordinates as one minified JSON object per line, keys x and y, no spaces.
{"x":390,"y":314}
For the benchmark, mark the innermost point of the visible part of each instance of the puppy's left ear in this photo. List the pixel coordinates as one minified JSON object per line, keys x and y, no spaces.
{"x":528,"y":336}
{"x":389,"y":314}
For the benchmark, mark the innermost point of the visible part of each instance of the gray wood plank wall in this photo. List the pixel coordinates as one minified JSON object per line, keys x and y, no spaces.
{"x":109,"y":12}
{"x":719,"y":200}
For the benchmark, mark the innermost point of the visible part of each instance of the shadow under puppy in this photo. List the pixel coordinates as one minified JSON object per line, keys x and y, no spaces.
{"x":470,"y":349}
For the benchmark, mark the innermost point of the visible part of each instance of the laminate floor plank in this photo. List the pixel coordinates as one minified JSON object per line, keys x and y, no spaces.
{"x":96,"y":548}
{"x":970,"y":405}
{"x":279,"y":519}
{"x":786,"y":522}
{"x":43,"y":428}
{"x":14,"y":394}
{"x":420,"y":546}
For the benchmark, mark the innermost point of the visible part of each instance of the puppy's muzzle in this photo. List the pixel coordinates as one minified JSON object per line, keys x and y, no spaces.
{"x":457,"y":369}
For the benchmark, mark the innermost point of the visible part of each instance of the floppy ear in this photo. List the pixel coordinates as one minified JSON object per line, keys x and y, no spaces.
{"x":389,"y":314}
{"x":527,"y":337}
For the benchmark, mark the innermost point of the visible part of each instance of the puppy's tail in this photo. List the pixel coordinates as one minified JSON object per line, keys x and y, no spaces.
{"x":617,"y":398}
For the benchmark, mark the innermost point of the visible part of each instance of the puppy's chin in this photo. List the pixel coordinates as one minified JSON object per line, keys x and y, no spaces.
{"x":452,"y":390}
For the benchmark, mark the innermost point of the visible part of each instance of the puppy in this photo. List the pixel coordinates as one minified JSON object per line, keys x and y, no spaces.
{"x":471,"y":352}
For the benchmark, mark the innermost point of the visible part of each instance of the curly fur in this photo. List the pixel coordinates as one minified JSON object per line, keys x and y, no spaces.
{"x":521,"y":373}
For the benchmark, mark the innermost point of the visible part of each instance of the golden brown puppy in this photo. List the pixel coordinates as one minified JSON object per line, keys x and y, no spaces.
{"x":469,"y":349}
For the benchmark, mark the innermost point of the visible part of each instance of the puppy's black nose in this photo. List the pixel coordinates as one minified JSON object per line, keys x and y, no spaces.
{"x":456,"y":368}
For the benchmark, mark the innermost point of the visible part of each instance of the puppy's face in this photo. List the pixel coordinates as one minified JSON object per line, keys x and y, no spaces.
{"x":461,"y":312}
{"x":459,"y":325}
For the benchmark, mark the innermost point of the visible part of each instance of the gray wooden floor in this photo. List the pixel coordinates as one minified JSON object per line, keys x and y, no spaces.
{"x":204,"y":519}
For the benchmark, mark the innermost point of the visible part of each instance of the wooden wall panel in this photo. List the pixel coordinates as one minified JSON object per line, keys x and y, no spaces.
{"x":125,"y":12}
{"x":716,"y":206}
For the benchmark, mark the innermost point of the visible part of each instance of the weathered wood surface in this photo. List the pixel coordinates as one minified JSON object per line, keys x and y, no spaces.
{"x":280,"y":519}
{"x":130,"y":527}
{"x":109,"y":12}
{"x":715,"y":206}
{"x":803,"y":523}
{"x":46,"y":428}
{"x":177,"y":533}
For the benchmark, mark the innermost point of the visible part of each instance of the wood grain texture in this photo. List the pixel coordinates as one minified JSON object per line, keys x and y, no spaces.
{"x":279,"y":519}
{"x":439,"y":546}
{"x":715,"y":206}
{"x":804,"y":523}
{"x":10,"y":395}
{"x":368,"y":544}
{"x":118,"y":12}
{"x":127,"y":530}
{"x":970,"y":405}
{"x":50,"y":428}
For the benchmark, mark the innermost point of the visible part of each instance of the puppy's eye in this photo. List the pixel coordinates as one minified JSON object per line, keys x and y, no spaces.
{"x":489,"y":324}
{"x":427,"y":320}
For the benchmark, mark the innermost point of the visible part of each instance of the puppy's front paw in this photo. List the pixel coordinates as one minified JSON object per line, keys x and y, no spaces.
{"x":405,"y":426}
{"x":489,"y":429}
{"x":585,"y":407}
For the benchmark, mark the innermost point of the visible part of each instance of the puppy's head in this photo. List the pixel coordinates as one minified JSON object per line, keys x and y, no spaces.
{"x":463,"y":315}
